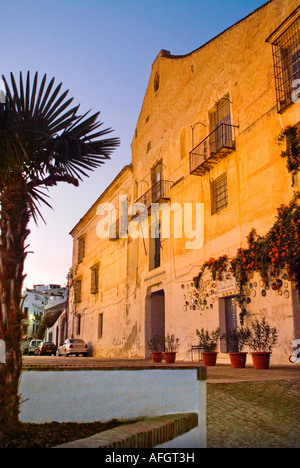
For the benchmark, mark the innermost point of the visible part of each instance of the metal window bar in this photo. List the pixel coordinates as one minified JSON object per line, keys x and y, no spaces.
{"x":94,"y":279}
{"x":81,"y":249}
{"x":219,"y":142}
{"x":219,"y":194}
{"x":286,"y":61}
{"x":118,"y":228}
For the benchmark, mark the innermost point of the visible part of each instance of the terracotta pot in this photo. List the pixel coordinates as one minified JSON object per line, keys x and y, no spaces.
{"x":170,"y":357}
{"x":156,"y":356}
{"x":261,"y":360}
{"x":209,"y":358}
{"x":238,"y":360}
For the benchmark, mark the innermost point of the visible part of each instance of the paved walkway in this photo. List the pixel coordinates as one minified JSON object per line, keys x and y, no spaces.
{"x":223,"y":373}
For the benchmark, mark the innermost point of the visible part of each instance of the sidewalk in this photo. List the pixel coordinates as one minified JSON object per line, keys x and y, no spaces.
{"x":223,"y":373}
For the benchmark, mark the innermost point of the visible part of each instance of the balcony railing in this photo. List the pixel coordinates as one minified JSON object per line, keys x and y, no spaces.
{"x":214,"y":147}
{"x":158,"y":192}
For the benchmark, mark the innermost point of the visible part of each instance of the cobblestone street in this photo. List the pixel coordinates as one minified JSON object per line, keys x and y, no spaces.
{"x":253,"y":415}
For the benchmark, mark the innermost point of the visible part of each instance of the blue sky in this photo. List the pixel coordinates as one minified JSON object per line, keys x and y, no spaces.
{"x":102,"y":51}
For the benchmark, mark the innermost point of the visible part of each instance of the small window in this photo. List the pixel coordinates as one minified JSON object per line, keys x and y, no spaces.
{"x":156,"y":81}
{"x":100,"y":325}
{"x":78,"y":325}
{"x":154,"y":247}
{"x":77,"y":287}
{"x":219,"y":194}
{"x":95,"y":279}
{"x":81,"y":249}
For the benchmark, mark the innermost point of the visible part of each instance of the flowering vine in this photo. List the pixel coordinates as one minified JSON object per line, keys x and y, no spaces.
{"x":269,"y":255}
{"x":292,"y":152}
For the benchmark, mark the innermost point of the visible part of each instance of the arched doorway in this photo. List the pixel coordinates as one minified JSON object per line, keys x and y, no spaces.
{"x":154,"y":317}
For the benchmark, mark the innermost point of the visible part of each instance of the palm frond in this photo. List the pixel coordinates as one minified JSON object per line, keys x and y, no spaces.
{"x":44,"y":138}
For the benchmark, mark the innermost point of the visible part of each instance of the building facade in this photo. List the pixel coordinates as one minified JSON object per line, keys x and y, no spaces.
{"x":36,"y":301}
{"x":205,"y":152}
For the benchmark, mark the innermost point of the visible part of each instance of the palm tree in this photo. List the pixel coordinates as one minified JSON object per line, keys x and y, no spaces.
{"x":43,"y":141}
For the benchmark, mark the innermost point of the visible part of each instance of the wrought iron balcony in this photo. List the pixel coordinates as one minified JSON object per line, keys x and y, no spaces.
{"x":214,"y":147}
{"x":158,"y":192}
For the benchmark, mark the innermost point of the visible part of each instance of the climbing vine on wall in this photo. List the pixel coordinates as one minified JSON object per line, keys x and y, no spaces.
{"x":292,"y":153}
{"x":273,"y":253}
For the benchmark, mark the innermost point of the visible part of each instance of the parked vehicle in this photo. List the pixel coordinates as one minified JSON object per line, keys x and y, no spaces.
{"x":73,"y":346}
{"x":32,"y":346}
{"x":25,"y":348}
{"x":46,"y":348}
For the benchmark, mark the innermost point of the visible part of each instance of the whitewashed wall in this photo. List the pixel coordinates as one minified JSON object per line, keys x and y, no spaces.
{"x":100,"y":395}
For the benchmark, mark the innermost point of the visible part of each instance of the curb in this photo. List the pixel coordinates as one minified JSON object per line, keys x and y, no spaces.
{"x":142,"y":434}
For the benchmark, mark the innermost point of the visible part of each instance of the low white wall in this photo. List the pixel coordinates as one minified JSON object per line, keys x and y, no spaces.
{"x":100,"y":395}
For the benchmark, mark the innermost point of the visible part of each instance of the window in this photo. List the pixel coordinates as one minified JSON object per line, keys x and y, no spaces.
{"x":220,"y":114}
{"x":95,"y":279}
{"x":219,"y":194}
{"x":220,"y":125}
{"x":156,"y":181}
{"x":77,"y":290}
{"x":78,"y":324}
{"x":100,"y":325}
{"x":156,"y":81}
{"x":154,"y":246}
{"x":81,"y":249}
{"x":286,"y":59}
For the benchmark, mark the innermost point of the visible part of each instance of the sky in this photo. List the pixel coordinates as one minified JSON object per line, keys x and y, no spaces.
{"x":102,"y":51}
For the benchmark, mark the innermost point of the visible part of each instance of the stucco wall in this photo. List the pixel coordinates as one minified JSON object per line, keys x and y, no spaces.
{"x":87,"y":396}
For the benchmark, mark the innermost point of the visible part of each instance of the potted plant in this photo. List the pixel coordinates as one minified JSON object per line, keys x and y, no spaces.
{"x":262,"y":338}
{"x":208,"y":342}
{"x":156,"y":345}
{"x":236,"y":340}
{"x":171,"y":345}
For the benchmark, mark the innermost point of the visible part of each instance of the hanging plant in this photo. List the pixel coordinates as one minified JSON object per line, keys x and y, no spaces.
{"x":292,"y":152}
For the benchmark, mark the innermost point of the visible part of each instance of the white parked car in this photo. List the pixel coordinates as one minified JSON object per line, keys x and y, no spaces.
{"x":73,"y":346}
{"x":33,"y":346}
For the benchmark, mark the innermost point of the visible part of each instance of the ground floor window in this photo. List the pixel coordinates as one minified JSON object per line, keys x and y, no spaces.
{"x":100,"y":325}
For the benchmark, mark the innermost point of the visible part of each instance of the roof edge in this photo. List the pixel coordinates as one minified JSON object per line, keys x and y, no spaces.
{"x":167,"y":54}
{"x":128,"y":167}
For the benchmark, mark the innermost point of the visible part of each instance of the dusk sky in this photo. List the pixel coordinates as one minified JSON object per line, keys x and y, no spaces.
{"x":102,"y":51}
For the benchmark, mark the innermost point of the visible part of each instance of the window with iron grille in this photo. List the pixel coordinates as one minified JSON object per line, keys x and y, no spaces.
{"x":95,"y":279}
{"x":154,"y":246}
{"x":100,"y":325}
{"x":81,"y":249}
{"x":219,"y":194}
{"x":77,"y":290}
{"x":286,"y":59}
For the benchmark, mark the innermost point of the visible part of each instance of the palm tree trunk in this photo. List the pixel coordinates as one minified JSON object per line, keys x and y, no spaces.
{"x":14,"y":231}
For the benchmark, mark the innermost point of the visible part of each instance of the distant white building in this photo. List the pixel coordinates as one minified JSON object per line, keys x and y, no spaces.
{"x":37,"y":300}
